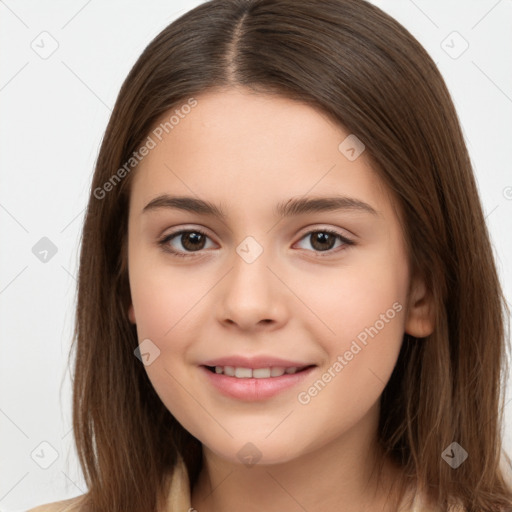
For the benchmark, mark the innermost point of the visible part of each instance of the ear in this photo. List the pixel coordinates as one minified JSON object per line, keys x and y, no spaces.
{"x":420,"y":313}
{"x":131,"y":314}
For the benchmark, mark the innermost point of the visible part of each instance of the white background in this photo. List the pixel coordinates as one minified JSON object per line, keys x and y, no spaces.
{"x":53,"y":115}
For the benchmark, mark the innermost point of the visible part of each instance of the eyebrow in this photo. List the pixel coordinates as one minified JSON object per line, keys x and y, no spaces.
{"x":292,"y":207}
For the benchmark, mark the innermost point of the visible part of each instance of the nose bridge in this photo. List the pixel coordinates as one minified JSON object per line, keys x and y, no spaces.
{"x":250,"y":275}
{"x":251,"y":291}
{"x":250,"y":249}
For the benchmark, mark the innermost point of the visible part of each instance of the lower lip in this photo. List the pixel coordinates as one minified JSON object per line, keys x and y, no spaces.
{"x":251,"y":389}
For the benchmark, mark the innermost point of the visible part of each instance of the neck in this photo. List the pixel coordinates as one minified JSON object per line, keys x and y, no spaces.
{"x":342,"y":475}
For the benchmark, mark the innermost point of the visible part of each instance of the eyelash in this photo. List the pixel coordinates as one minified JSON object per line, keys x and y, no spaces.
{"x":321,"y":254}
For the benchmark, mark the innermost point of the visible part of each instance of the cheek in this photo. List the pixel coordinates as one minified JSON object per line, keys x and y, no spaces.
{"x":362,"y":313}
{"x":167,"y":303}
{"x":164,"y":299}
{"x":165,"y":314}
{"x":353,"y":299}
{"x":360,"y":356}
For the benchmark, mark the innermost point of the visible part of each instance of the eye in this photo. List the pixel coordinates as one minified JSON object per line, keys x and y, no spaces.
{"x":191,"y":240}
{"x":323,"y":240}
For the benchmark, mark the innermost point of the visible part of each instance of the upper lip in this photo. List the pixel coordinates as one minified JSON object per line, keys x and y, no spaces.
{"x":255,"y":362}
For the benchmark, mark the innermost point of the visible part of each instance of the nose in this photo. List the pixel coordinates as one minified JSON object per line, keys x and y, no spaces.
{"x":252,"y":296}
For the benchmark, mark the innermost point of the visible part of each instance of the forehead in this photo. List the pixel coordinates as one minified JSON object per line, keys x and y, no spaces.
{"x":239,"y":146}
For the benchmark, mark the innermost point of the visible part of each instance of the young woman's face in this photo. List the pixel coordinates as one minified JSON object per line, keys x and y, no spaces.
{"x":258,"y":284}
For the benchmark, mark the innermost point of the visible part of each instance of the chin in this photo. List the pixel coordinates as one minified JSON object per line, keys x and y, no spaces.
{"x":251,"y":451}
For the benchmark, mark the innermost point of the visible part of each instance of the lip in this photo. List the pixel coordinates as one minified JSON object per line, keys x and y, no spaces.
{"x":262,"y":361}
{"x":251,"y":389}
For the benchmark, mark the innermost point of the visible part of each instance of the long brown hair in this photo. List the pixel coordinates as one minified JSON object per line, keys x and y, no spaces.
{"x":357,"y":64}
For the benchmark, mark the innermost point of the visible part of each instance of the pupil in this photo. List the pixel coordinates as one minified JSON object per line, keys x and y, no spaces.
{"x":192,"y":240}
{"x":323,"y":238}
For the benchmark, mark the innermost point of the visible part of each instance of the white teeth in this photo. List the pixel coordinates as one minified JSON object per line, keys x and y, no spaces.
{"x":276,"y":371}
{"x":229,"y":370}
{"x":243,"y":373}
{"x":261,"y":373}
{"x":257,"y":373}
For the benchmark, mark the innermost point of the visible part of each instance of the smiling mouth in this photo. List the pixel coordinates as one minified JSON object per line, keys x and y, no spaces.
{"x":256,"y":373}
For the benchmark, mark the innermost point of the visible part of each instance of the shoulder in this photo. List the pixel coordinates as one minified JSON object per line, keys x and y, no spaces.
{"x":70,"y":505}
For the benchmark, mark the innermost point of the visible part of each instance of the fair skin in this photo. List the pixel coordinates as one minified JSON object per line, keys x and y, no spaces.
{"x":245,"y":153}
